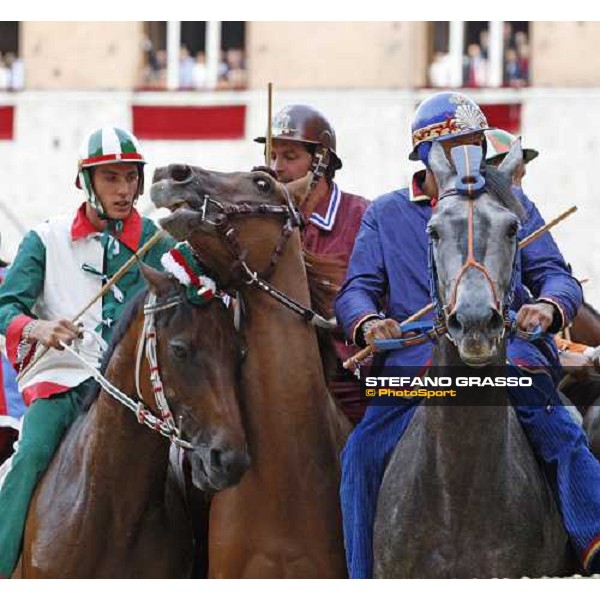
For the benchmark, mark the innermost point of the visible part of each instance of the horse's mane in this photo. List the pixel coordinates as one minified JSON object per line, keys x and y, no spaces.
{"x":499,"y":185}
{"x":128,"y":316}
{"x":591,"y":309}
{"x":325,"y":275}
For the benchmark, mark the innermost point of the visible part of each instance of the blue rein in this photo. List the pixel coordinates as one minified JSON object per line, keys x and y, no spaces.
{"x":431,"y":330}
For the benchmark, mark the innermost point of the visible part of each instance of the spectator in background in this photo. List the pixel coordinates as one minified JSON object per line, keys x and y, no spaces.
{"x":513,"y":76}
{"x":4,"y":75}
{"x":200,"y":72}
{"x":474,"y":67}
{"x":154,"y":74}
{"x":222,"y":75}
{"x":186,"y":69}
{"x":440,"y":71}
{"x":161,"y":62}
{"x":523,"y":52}
{"x":520,"y":40}
{"x":236,"y":74}
{"x":16,"y":71}
{"x":508,"y":35}
{"x":484,"y":43}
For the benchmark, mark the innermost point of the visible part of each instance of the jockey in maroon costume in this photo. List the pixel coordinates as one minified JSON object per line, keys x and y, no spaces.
{"x":304,"y":141}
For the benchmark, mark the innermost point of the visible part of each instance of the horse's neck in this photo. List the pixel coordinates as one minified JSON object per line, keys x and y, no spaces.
{"x":123,"y":452}
{"x":586,"y":326}
{"x":476,"y":420}
{"x":285,"y":389}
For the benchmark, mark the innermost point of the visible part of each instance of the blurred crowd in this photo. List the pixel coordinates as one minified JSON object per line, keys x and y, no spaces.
{"x":475,"y":62}
{"x":12,"y":73}
{"x":193,"y":70}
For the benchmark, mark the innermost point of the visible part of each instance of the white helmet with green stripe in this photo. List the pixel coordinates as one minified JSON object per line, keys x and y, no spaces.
{"x":106,"y":146}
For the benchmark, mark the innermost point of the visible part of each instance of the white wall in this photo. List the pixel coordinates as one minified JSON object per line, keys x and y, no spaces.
{"x":373,"y":130}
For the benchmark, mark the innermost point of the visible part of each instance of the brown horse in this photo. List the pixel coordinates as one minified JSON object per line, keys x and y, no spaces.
{"x":585,"y":328}
{"x":284,"y":519}
{"x":585,"y":392}
{"x":109,"y":505}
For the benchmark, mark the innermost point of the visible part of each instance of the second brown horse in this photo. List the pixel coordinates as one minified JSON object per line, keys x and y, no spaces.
{"x":283,"y":519}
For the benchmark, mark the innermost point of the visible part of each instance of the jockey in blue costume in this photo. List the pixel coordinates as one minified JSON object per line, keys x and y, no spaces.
{"x":388,"y":281}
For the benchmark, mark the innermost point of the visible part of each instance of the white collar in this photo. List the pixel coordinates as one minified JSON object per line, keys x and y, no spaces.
{"x":328,"y":221}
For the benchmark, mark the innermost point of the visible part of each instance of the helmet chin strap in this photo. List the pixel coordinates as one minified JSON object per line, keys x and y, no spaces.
{"x":321,"y":161}
{"x":85,"y":181}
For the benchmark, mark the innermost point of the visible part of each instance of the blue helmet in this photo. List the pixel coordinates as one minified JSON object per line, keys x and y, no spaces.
{"x":443,"y":116}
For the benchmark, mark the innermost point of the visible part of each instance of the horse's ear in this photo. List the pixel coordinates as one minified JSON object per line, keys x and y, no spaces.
{"x":440,"y":167}
{"x":158,"y":282}
{"x":512,"y":160}
{"x":300,"y":188}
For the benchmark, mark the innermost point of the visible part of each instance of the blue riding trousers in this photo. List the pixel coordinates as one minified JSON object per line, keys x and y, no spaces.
{"x":557,"y":440}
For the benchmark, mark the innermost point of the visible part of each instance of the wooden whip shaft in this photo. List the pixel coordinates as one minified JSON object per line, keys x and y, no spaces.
{"x":538,"y":232}
{"x":353,"y":362}
{"x":269,"y":139}
{"x":105,"y":288}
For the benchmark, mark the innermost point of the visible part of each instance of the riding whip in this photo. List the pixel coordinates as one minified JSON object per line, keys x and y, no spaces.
{"x":353,"y":362}
{"x":107,"y":286}
{"x":269,"y":140}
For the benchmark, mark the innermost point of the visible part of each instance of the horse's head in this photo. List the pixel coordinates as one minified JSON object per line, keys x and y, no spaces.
{"x":197,"y":356}
{"x":216,"y":213}
{"x":473,"y":253}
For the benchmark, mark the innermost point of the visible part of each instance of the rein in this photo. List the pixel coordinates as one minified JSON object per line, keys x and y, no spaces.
{"x":165,"y":425}
{"x":226,"y":229}
{"x":433,"y":330}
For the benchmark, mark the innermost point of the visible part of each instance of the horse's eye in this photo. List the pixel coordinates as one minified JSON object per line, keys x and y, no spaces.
{"x":433,"y":234}
{"x":512,"y":230}
{"x":263,"y":185}
{"x":178,"y":350}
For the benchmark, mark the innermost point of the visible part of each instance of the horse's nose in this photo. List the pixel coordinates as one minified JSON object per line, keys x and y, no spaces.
{"x":484,"y":319}
{"x":179,"y":173}
{"x":230,"y":463}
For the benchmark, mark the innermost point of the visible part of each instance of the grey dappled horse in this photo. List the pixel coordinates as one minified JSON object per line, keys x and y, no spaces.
{"x":463,"y":495}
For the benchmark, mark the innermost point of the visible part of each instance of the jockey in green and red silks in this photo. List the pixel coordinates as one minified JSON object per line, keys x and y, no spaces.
{"x":388,"y":281}
{"x":61,"y":265}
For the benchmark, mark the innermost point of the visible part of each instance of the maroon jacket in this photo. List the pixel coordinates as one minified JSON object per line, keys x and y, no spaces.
{"x":332,"y":229}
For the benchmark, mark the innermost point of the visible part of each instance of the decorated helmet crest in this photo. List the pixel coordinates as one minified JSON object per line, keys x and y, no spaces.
{"x":443,"y":116}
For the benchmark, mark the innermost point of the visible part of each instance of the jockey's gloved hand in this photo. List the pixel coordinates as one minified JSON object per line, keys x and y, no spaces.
{"x":52,"y":333}
{"x":532,"y":315}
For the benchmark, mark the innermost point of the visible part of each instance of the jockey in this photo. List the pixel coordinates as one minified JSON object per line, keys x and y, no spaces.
{"x":576,"y":359}
{"x":304,"y":141}
{"x":59,"y":267}
{"x":388,"y":281}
